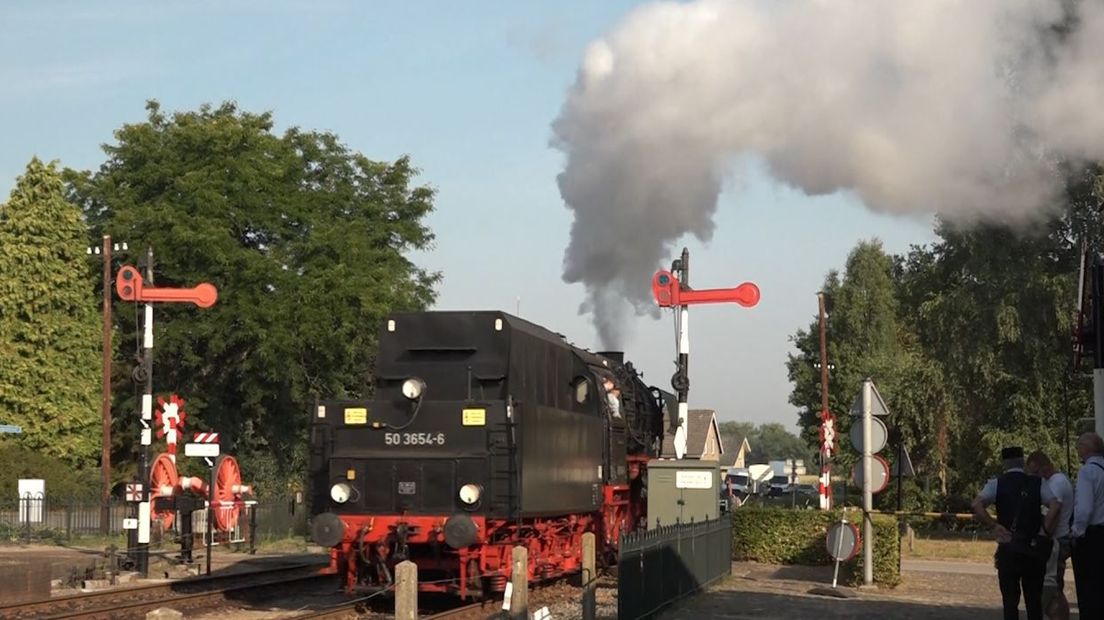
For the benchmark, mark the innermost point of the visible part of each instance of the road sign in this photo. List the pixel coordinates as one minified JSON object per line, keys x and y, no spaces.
{"x":130,"y":523}
{"x":209,"y":450}
{"x":11,"y":428}
{"x":842,"y":541}
{"x":879,"y":481}
{"x":903,"y":464}
{"x":877,"y":404}
{"x":133,"y":492}
{"x":878,"y":435}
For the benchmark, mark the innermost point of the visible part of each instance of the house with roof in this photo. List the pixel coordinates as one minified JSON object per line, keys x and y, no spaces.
{"x":703,"y":437}
{"x":740,"y":460}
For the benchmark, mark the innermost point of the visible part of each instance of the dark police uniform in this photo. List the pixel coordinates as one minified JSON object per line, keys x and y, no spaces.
{"x":1019,"y":499}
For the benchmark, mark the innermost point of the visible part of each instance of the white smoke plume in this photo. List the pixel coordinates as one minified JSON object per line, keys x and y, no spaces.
{"x":959,"y":108}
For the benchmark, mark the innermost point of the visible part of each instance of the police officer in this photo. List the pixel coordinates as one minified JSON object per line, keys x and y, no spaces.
{"x":1087,"y":529}
{"x":1021,"y":560}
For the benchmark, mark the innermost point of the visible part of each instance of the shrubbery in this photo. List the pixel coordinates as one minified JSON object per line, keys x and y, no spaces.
{"x":781,"y":536}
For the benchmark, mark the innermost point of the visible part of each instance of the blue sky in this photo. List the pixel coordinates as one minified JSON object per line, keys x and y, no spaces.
{"x":469,"y":91}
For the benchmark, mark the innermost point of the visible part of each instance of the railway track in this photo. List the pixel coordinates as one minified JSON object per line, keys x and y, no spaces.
{"x":196,"y":593}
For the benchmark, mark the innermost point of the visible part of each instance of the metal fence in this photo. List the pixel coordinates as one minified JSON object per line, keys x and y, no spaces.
{"x":660,"y":566}
{"x":36,"y":518}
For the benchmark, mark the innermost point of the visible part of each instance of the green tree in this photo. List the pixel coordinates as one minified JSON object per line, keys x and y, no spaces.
{"x":49,"y":334}
{"x":306,"y":241}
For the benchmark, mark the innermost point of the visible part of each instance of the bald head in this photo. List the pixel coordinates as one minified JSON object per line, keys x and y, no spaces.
{"x":1090,"y":444}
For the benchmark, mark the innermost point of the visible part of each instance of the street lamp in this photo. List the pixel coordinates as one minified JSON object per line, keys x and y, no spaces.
{"x":105,"y":454}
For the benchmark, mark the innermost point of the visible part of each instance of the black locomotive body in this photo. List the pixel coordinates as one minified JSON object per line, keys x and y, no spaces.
{"x":486,"y":431}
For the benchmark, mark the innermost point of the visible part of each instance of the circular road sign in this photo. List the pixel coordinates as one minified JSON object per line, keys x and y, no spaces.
{"x":880,"y":480}
{"x":843,"y":541}
{"x":878,"y":434}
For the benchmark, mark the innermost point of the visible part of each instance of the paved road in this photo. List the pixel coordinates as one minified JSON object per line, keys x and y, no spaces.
{"x":931,"y":590}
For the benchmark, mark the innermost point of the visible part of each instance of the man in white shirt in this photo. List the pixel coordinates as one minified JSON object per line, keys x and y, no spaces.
{"x":1087,"y":529}
{"x":1054,"y":601}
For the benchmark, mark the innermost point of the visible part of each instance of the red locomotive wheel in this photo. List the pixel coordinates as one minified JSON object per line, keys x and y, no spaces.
{"x":227,"y":479}
{"x":162,"y":474}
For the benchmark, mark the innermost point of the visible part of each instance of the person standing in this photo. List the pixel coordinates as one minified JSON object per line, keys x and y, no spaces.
{"x":1087,"y":529}
{"x":1054,"y":601}
{"x":1021,"y":552}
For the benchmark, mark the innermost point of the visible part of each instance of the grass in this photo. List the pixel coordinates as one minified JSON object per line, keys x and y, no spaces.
{"x":960,"y":549}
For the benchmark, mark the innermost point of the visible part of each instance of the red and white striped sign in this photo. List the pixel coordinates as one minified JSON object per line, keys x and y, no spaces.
{"x":206,"y":438}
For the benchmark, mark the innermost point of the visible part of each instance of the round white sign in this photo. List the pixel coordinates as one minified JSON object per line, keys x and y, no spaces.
{"x":878,"y":435}
{"x":879,"y":481}
{"x":843,"y":541}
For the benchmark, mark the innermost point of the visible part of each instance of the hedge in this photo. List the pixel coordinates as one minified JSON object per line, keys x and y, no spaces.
{"x":782,"y":536}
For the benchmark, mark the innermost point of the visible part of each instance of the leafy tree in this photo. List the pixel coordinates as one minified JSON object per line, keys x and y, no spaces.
{"x":768,"y":442}
{"x":49,"y":327}
{"x":306,"y":241}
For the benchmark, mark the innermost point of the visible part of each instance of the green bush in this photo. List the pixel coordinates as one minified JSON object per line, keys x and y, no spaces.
{"x":780,"y":536}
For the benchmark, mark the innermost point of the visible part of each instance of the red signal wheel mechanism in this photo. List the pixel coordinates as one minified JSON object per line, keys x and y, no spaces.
{"x":226,"y":496}
{"x":162,"y":474}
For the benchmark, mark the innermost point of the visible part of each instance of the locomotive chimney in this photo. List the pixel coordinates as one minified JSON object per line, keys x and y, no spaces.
{"x":617,"y":356}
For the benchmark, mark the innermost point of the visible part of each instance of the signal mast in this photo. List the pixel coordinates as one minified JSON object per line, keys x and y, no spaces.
{"x":671,"y":291}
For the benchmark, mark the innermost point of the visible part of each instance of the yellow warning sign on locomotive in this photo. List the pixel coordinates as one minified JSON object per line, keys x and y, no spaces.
{"x":356,"y":415}
{"x":474,"y":417}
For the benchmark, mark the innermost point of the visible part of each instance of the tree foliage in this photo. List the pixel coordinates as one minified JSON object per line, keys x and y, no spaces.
{"x":768,"y":442}
{"x":967,"y":339}
{"x":306,"y":241}
{"x":49,"y":328}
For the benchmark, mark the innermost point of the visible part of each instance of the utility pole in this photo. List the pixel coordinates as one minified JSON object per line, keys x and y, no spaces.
{"x":825,"y":414}
{"x":105,"y":404}
{"x":1097,"y":322}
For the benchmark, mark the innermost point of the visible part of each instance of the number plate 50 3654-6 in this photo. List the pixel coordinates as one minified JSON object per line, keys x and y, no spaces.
{"x":414,"y":439}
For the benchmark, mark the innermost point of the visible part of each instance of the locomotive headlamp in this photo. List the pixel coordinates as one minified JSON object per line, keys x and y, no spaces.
{"x":469,"y":493}
{"x":413,"y":387}
{"x":340,"y":492}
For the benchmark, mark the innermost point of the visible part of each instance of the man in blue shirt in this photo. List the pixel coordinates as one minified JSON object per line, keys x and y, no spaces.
{"x":1087,"y":529}
{"x":1021,"y":556}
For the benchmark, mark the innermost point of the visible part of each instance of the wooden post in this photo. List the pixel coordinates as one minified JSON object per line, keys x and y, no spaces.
{"x":519,"y":578}
{"x":590,"y":604}
{"x":406,"y":591}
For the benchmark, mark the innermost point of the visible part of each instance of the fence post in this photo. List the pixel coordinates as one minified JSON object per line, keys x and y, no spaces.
{"x":519,"y":578}
{"x":69,"y":520}
{"x":406,"y":590}
{"x":590,"y":604}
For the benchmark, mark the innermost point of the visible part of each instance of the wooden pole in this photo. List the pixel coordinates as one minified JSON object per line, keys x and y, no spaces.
{"x":519,"y":578}
{"x":105,"y":405}
{"x":590,"y":603}
{"x":406,"y":590}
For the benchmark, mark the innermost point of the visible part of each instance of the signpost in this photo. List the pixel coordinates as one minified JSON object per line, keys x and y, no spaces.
{"x":868,"y":404}
{"x":206,"y":445}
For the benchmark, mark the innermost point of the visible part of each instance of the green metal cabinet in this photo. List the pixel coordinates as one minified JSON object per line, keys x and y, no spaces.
{"x":679,"y":491}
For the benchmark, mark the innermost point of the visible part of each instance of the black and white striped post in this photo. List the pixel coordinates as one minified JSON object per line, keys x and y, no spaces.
{"x":142,"y":559}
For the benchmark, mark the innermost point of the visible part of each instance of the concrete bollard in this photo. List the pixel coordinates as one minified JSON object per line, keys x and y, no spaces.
{"x":519,"y":578}
{"x":590,"y":577}
{"x":406,"y":591}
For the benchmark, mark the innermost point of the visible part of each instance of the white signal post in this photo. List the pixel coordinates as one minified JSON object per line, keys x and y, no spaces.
{"x":868,"y":498}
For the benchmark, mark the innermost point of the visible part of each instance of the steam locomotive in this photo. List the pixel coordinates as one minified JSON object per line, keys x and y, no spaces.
{"x":485,"y":432}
